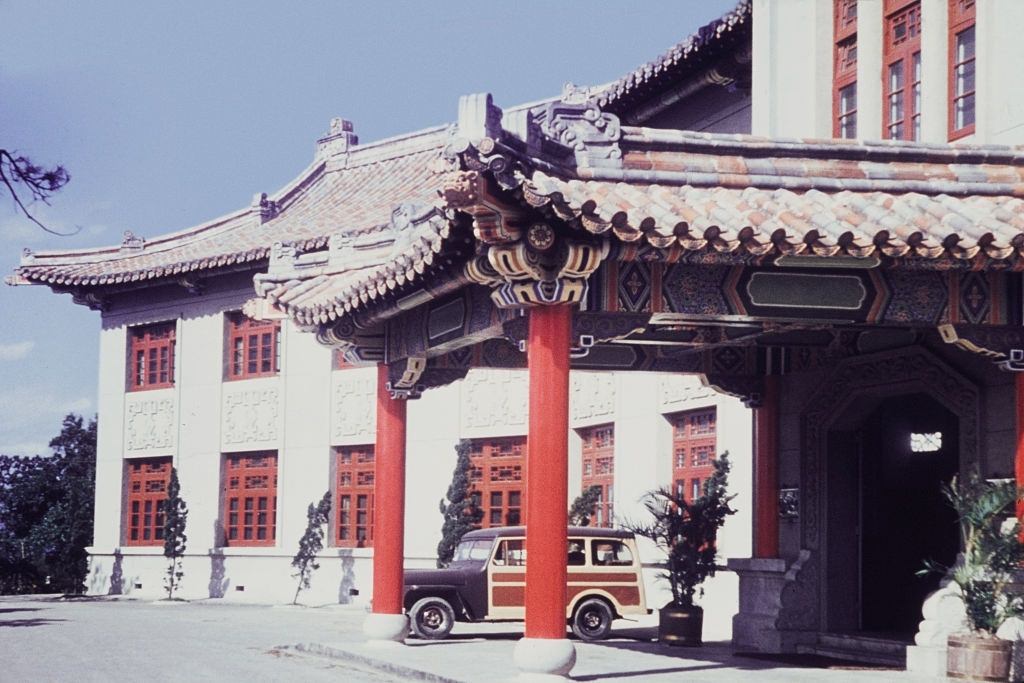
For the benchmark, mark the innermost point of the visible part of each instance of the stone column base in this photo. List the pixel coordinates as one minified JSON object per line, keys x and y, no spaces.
{"x":385,"y":628}
{"x":544,"y":659}
{"x":774,"y":605}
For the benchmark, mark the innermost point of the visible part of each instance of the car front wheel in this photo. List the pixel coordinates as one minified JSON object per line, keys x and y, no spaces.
{"x":432,"y":618}
{"x":592,"y":620}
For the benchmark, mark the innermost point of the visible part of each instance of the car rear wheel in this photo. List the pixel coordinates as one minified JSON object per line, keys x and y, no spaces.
{"x":592,"y":620}
{"x":432,"y":618}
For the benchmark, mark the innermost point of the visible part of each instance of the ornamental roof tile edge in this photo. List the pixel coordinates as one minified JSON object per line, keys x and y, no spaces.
{"x":677,"y":57}
{"x":53,"y":266}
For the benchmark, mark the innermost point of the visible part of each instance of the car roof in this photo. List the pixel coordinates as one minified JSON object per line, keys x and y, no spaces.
{"x":505,"y":531}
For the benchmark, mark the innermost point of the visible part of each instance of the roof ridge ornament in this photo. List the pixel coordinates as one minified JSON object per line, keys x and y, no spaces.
{"x":479,"y":118}
{"x":575,"y":129}
{"x":132,"y":242}
{"x":340,"y":137}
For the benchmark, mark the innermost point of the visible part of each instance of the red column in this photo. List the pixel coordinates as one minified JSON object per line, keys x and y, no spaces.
{"x":766,"y":471}
{"x":389,"y":500}
{"x":547,"y":471}
{"x":1018,"y":464}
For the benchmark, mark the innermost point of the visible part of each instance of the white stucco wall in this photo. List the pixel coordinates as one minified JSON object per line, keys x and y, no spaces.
{"x":309,"y":408}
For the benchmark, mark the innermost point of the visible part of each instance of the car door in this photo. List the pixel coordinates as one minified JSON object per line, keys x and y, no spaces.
{"x":506,"y":580}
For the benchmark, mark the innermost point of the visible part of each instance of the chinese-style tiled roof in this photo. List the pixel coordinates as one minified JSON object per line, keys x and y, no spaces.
{"x":369,"y":267}
{"x":729,"y":193}
{"x":721,"y":34}
{"x":350,"y":193}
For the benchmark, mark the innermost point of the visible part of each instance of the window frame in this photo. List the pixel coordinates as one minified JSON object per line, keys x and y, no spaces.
{"x":149,"y":344}
{"x":844,"y":68}
{"x":694,"y":432}
{"x":239,"y":493}
{"x":962,"y":17}
{"x":598,"y":457}
{"x":506,"y":458}
{"x":352,"y":464}
{"x":906,"y":54}
{"x":140,"y":471}
{"x":246,"y":358}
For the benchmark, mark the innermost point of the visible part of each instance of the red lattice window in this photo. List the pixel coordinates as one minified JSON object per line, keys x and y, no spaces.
{"x":694,"y":444}
{"x":354,"y":496}
{"x":961,"y":68}
{"x":146,"y":485}
{"x":599,"y":470}
{"x":498,"y":479}
{"x":250,"y":499}
{"x":901,"y":77}
{"x":151,"y":350}
{"x":254,"y":347}
{"x":844,"y":70}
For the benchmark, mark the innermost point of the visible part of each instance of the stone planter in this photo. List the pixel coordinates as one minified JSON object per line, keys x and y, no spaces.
{"x":975,"y":658}
{"x":680,"y":625}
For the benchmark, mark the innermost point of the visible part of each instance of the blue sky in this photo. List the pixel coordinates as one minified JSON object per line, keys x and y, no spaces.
{"x":168,"y":114}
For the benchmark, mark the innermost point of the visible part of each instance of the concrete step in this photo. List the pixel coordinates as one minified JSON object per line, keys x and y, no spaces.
{"x":857,"y":648}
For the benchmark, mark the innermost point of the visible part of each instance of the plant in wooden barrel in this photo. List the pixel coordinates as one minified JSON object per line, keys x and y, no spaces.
{"x":687,"y":531}
{"x":992,"y":553}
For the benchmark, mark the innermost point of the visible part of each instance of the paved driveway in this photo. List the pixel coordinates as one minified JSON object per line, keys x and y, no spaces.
{"x":45,"y":639}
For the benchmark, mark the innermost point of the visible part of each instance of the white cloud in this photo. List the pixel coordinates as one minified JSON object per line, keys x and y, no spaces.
{"x":16,"y":351}
{"x":36,"y":405}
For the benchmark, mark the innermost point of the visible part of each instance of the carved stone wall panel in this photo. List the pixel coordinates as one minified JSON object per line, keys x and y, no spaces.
{"x":353,"y":407}
{"x":150,"y":423}
{"x":251,"y":415}
{"x":681,"y":392}
{"x":592,"y":396}
{"x":494,"y":402}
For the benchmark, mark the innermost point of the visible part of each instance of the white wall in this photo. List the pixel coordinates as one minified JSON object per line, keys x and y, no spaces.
{"x":308,"y":409}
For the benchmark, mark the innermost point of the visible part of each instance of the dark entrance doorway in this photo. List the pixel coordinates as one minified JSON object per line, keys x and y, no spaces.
{"x":886,"y":513}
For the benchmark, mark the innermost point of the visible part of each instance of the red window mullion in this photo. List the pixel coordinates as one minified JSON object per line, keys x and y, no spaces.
{"x":354,"y":490}
{"x":962,"y":56}
{"x":599,"y":469}
{"x":694,"y":443}
{"x":254,"y":345}
{"x":844,"y":69}
{"x":498,"y":480}
{"x":900,"y":77}
{"x":146,"y":484}
{"x":152,"y":354}
{"x":250,"y":499}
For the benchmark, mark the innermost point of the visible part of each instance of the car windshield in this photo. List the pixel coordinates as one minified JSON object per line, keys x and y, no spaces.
{"x":472,"y":550}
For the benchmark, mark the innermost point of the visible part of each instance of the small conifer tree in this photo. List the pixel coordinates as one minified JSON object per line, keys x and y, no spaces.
{"x":175,"y":518}
{"x":460,"y":512}
{"x":311,"y":543}
{"x":583,"y":507}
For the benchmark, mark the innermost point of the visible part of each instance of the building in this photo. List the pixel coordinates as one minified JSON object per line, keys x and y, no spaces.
{"x":862,"y":294}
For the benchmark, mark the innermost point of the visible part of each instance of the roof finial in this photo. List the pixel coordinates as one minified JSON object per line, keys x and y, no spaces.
{"x":338,"y":139}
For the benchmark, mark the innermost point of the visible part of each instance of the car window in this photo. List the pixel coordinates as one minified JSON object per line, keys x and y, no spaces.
{"x":611,"y":553}
{"x":577,"y":555}
{"x":472,"y":550}
{"x":511,"y":553}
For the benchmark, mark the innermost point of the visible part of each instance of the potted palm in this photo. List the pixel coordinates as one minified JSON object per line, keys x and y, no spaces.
{"x":985,"y":575}
{"x":687,"y":531}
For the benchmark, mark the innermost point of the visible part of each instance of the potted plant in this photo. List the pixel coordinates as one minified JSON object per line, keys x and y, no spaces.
{"x":687,"y":532}
{"x":992,"y":552}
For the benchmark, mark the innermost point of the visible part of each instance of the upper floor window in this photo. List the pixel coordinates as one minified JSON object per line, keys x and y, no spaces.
{"x":961,"y":68}
{"x":254,"y":347}
{"x":151,"y":349}
{"x":902,"y":70}
{"x":844,"y":71}
{"x":146,"y":483}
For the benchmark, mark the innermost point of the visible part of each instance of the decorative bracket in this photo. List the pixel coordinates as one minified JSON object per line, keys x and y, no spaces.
{"x":404,"y":376}
{"x":577,"y":127}
{"x":357,"y":345}
{"x":789,"y":503}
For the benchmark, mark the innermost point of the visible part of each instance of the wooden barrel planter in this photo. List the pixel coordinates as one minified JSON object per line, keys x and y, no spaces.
{"x":974,"y":658}
{"x":680,"y":625}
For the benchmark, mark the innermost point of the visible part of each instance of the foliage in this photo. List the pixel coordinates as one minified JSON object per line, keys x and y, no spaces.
{"x":37,"y":182}
{"x":46,"y":513}
{"x":461,"y":514}
{"x":992,"y":551}
{"x":688,"y":531}
{"x":311,"y":543}
{"x":583,"y":507}
{"x":175,"y":518}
